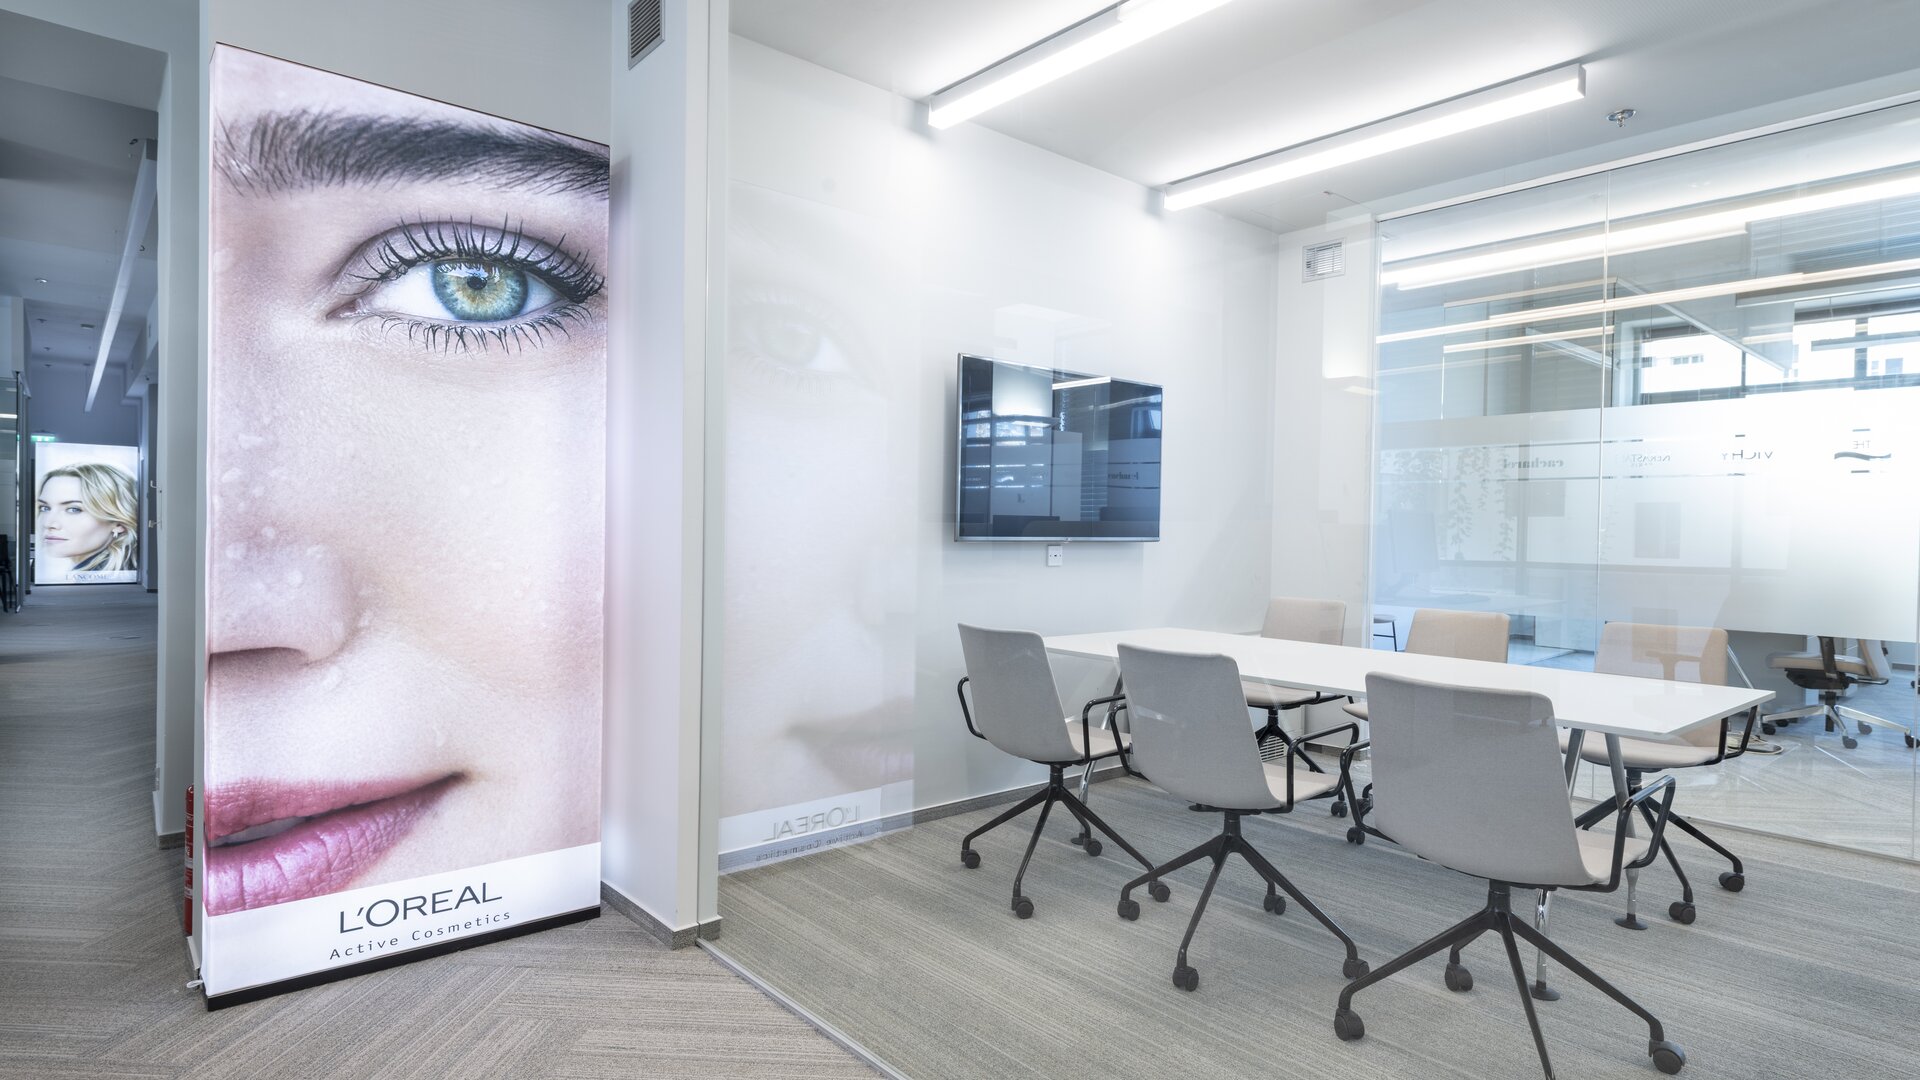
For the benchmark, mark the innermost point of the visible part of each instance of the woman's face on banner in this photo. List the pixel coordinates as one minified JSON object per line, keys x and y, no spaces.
{"x":67,"y":530}
{"x":408,"y":385}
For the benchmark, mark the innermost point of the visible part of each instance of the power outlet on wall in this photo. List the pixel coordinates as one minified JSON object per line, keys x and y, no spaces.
{"x":1056,"y":554}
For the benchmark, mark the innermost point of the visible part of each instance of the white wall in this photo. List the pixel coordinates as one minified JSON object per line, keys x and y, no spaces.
{"x":60,"y":400}
{"x":658,"y":342}
{"x":864,"y":253}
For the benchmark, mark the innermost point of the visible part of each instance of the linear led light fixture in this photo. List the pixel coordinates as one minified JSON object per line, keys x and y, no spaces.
{"x":1528,"y":339}
{"x":1082,"y":382}
{"x":1687,"y":230}
{"x":1086,"y":42}
{"x":1908,"y":269}
{"x":1423,"y":125}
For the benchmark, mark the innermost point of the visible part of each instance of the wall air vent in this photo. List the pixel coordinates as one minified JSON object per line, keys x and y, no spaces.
{"x":643,"y":29}
{"x":1319,"y":261}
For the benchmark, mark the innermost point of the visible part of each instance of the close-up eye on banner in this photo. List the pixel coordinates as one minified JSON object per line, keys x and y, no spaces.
{"x":407,"y":368}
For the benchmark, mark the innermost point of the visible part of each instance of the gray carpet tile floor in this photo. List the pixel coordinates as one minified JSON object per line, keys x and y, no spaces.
{"x":93,"y":970}
{"x":1812,"y":972}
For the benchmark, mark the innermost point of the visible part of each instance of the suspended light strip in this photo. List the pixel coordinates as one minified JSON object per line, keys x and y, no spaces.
{"x":1656,"y":299}
{"x":1465,"y":113}
{"x":1527,"y":339}
{"x":1687,"y":230}
{"x":1086,"y":42}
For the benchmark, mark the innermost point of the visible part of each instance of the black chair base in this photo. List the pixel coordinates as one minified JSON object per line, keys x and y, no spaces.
{"x":1682,"y":910}
{"x":1056,"y":791}
{"x":1498,"y":917}
{"x":1229,"y":842}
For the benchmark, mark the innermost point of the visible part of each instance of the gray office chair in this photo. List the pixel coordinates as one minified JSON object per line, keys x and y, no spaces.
{"x":1190,"y":738}
{"x":1019,"y":712}
{"x":1472,"y":779}
{"x":1463,"y":635}
{"x":1292,"y":619}
{"x":1683,"y":654}
{"x":1832,"y":673}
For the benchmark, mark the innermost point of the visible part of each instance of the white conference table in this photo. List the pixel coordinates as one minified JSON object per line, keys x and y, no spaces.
{"x":1583,"y":701}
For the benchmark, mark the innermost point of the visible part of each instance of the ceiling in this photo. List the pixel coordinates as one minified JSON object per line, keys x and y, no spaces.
{"x":75,"y":112}
{"x":1258,"y":75}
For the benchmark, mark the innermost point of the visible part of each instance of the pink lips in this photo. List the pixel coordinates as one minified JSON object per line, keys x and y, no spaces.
{"x":309,"y":839}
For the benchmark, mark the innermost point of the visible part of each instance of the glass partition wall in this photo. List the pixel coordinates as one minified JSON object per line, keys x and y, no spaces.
{"x":1682,"y":393}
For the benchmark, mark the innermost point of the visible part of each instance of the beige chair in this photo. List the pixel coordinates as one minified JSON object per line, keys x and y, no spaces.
{"x":1322,"y":622}
{"x":1018,"y":710}
{"x":1464,"y":635}
{"x":1831,"y":673}
{"x":1472,"y":779}
{"x":1190,"y":738}
{"x":1679,"y":654}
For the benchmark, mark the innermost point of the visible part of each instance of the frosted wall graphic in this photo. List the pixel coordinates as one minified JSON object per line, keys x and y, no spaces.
{"x":86,"y":514}
{"x":408,"y":349}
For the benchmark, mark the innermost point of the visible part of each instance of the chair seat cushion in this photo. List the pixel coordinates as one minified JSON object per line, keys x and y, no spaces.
{"x":1268,"y":696}
{"x":1307,"y":784}
{"x":1642,"y":754}
{"x":1810,"y":661}
{"x":1103,"y":740}
{"x":1596,"y":850}
{"x":1356,"y":709}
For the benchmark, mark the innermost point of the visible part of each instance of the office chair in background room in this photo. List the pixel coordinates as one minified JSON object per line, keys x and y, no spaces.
{"x":1019,"y":712}
{"x":1463,"y":635}
{"x":1472,"y":779}
{"x":1682,"y":654}
{"x":1832,"y":674}
{"x":1190,"y":738}
{"x":1289,"y":618}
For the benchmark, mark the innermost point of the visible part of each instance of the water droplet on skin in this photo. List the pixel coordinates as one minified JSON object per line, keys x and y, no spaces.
{"x":249,"y":442}
{"x":231,"y":476}
{"x":331,"y":679}
{"x":236,"y":552}
{"x":256,"y":491}
{"x":269,"y":532}
{"x":294,"y":578}
{"x":366,"y":620}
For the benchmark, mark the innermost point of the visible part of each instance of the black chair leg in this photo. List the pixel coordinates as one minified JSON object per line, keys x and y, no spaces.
{"x":1681,"y":911}
{"x":1022,"y":906}
{"x":1460,"y":933}
{"x":1505,"y":923}
{"x":1540,"y":941}
{"x":1354,"y":967}
{"x":1693,"y":830}
{"x":1204,"y":851}
{"x":1024,"y":805}
{"x":1088,"y":817}
{"x":1184,"y":976}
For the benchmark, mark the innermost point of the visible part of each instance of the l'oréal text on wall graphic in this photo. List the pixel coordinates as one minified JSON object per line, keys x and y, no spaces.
{"x":407,"y":366}
{"x":86,"y":514}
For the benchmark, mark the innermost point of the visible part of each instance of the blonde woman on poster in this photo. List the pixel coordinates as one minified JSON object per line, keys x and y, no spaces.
{"x":87,"y":525}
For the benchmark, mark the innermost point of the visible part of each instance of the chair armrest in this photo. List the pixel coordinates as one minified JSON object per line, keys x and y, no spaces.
{"x":1746,"y":736}
{"x":1350,"y":727}
{"x":1665,"y":789}
{"x":960,"y":688}
{"x":1119,"y":701}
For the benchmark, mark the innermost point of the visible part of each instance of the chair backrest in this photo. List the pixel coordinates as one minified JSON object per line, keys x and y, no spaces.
{"x":1188,"y":717}
{"x":1464,"y":635}
{"x":1015,"y":704}
{"x":1679,"y":653}
{"x":1292,"y":618}
{"x":1472,"y":779}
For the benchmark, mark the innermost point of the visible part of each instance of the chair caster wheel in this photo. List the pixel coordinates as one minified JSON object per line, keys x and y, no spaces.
{"x":1354,"y":968}
{"x":1849,"y":742}
{"x":1356,"y":835}
{"x":1911,"y":741}
{"x":1023,"y":907}
{"x":970,"y":859}
{"x":1159,"y":891}
{"x":1186,"y":978}
{"x":1681,"y":912}
{"x":1274,"y":903}
{"x":1093,"y":846}
{"x":1459,"y":979}
{"x":1339,"y":809}
{"x":1733,"y":882}
{"x":1129,"y":909}
{"x":1863,"y":728}
{"x":1667,"y":1057}
{"x":1769,"y":729}
{"x":1347,"y":1025}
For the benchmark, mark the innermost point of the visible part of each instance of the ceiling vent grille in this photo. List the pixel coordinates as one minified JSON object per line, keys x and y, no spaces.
{"x":643,"y":29}
{"x":1319,"y":261}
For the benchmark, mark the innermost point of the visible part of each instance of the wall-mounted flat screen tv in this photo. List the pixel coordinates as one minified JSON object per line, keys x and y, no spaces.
{"x":1055,"y":455}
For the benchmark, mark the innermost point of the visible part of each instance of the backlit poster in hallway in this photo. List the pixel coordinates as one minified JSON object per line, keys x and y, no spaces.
{"x":407,"y":369}
{"x":86,"y":514}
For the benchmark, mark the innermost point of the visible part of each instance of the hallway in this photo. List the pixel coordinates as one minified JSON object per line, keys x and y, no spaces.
{"x":94,"y":974}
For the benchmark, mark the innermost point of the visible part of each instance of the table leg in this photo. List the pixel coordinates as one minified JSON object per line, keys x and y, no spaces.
{"x":1630,"y":920}
{"x":1086,"y":774}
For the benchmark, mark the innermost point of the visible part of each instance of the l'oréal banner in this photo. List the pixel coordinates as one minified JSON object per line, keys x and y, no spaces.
{"x":86,"y":514}
{"x":406,"y":380}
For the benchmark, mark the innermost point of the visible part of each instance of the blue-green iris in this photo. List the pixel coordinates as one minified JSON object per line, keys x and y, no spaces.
{"x":473,"y":291}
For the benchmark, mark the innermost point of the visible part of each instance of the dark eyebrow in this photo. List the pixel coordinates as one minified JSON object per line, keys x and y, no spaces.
{"x":294,"y":150}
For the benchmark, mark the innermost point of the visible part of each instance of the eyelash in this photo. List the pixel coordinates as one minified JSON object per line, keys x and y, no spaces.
{"x":411,"y":243}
